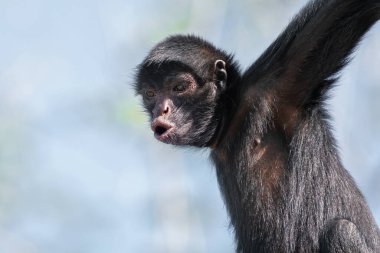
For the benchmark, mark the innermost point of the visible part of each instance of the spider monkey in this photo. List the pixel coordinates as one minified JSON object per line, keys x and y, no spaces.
{"x":276,"y":160}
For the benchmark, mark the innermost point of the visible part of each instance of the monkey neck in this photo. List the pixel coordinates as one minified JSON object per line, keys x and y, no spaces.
{"x":226,"y":108}
{"x":218,"y":133}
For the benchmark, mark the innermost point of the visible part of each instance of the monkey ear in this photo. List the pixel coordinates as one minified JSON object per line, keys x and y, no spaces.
{"x":220,"y":74}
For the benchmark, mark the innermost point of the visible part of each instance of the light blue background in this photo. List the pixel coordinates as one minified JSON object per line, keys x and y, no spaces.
{"x":80,"y":170}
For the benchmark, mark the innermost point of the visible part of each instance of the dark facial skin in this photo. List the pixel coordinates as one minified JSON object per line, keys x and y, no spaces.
{"x":182,"y":108}
{"x":169,"y":107}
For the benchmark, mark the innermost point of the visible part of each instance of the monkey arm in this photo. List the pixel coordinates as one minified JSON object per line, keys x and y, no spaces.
{"x":302,"y":63}
{"x":342,"y":236}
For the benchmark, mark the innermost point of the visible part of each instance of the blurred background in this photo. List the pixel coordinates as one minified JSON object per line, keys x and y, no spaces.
{"x":80,"y":170}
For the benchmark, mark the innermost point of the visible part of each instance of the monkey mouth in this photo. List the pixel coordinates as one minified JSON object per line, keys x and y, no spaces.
{"x":162,"y":130}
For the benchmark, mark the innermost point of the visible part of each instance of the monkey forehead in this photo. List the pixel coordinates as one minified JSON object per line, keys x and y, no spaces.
{"x":188,"y":47}
{"x":164,"y":65}
{"x":183,"y":53}
{"x":188,"y":55}
{"x":155,"y":72}
{"x":189,"y":50}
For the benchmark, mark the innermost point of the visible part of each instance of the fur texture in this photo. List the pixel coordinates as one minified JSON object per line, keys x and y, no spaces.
{"x":276,"y":160}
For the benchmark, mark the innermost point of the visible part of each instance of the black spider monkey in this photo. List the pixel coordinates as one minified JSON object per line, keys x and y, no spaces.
{"x":276,"y":160}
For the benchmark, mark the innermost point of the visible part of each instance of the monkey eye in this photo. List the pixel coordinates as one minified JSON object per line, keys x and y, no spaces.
{"x":179,"y":88}
{"x":150,"y":93}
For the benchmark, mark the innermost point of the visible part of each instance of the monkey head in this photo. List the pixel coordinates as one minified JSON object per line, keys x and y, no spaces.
{"x":181,"y":82}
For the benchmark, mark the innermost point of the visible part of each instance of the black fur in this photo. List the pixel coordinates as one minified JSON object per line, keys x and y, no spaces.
{"x":277,"y":163}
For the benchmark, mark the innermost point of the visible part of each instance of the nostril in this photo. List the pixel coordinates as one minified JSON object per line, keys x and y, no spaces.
{"x":166,"y":111}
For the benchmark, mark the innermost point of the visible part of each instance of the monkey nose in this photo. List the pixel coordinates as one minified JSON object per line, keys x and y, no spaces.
{"x":164,"y":107}
{"x":165,"y":110}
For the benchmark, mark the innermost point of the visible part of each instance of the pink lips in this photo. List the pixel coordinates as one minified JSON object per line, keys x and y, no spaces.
{"x":161,"y":129}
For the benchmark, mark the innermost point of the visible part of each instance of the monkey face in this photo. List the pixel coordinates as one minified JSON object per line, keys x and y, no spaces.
{"x":182,"y":110}
{"x":182,"y":81}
